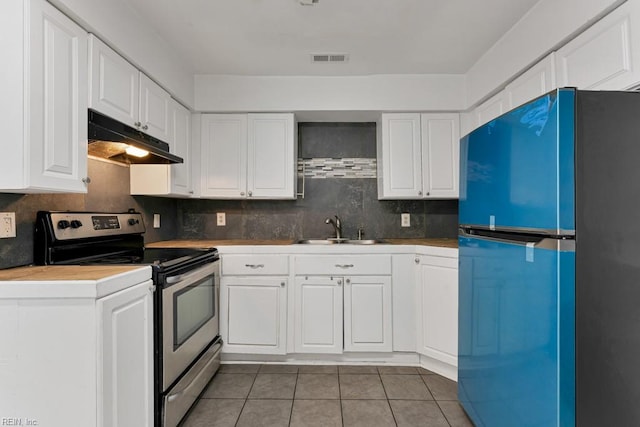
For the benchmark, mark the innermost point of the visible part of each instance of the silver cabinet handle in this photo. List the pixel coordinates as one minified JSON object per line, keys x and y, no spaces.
{"x":282,"y":284}
{"x":242,"y":193}
{"x":339,"y":282}
{"x":427,"y":193}
{"x":86,"y":180}
{"x":254,"y":266}
{"x":419,"y":193}
{"x":344,"y":265}
{"x":348,"y":281}
{"x":417,"y":260}
{"x":137,"y":124}
{"x":152,"y":288}
{"x":250,"y":193}
{"x":145,"y":127}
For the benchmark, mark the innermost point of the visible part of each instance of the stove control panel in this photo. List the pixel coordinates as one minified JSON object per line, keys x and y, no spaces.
{"x":80,"y":225}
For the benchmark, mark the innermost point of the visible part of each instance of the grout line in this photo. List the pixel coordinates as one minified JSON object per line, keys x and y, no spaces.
{"x":247,"y":398}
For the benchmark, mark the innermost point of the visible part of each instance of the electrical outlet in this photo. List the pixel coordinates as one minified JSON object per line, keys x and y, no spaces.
{"x":156,"y":220}
{"x":221,"y":219}
{"x":7,"y":225}
{"x":405,"y":220}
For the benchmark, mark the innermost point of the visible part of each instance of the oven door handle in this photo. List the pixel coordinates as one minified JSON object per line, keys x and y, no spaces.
{"x":194,"y":275}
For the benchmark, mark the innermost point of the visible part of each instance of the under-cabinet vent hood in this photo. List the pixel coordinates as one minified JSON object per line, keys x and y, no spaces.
{"x":112,"y":140}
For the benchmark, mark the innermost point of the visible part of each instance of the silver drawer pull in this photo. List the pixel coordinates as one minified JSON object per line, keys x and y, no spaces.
{"x":254,"y":266}
{"x":344,"y":265}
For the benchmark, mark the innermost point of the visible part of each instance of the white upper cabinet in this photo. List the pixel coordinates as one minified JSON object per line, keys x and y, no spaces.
{"x":272,"y":156}
{"x":248,"y":156}
{"x":440,"y":155}
{"x":418,"y":156}
{"x":223,"y":157}
{"x":168,"y":180}
{"x":536,"y":81}
{"x":490,"y":109}
{"x":118,"y":90}
{"x":44,"y":100}
{"x":606,"y":56}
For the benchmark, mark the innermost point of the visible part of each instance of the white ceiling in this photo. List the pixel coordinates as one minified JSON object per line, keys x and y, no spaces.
{"x":276,"y":37}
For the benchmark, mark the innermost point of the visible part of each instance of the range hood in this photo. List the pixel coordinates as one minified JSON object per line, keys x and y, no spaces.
{"x":112,"y":140}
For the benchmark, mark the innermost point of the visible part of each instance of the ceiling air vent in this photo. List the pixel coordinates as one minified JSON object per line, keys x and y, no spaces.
{"x":325,"y":58}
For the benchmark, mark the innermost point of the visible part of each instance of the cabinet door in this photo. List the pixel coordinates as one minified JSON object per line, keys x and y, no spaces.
{"x":125,"y":357}
{"x":253,"y":315}
{"x":440,"y":155}
{"x":223,"y":156}
{"x":58,"y":101}
{"x":605,"y":56}
{"x":318,"y":314}
{"x":367,"y":313}
{"x":271,"y":156}
{"x":490,"y":109}
{"x":536,"y":81}
{"x":400,"y":168}
{"x":154,"y":110}
{"x":114,"y":87}
{"x":438,"y":297}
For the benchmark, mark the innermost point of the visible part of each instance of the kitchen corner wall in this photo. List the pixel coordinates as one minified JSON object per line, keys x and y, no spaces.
{"x":354,"y":200}
{"x":108,"y":192}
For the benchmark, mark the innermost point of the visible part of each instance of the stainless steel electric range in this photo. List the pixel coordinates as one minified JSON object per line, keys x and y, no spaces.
{"x":186,"y":302}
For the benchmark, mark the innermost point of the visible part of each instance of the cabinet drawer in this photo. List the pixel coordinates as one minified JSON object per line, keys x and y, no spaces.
{"x":343,"y":265}
{"x":258,"y":265}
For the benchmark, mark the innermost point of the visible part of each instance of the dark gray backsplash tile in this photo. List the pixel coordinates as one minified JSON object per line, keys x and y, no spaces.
{"x":337,"y":140}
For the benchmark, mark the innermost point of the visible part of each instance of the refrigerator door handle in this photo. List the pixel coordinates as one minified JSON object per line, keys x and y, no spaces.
{"x":529,"y":240}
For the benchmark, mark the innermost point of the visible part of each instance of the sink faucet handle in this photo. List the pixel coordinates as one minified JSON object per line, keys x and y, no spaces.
{"x":360,"y":232}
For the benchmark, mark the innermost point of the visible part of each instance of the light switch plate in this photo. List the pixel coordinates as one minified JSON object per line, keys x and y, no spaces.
{"x":156,"y":220}
{"x":405,"y":220}
{"x":7,"y":225}
{"x":221,"y":219}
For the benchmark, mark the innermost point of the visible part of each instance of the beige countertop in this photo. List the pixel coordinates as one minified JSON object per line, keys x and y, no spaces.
{"x":64,"y":272}
{"x":438,"y":242}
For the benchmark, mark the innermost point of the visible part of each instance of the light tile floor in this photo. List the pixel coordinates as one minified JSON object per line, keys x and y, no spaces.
{"x":248,"y":395}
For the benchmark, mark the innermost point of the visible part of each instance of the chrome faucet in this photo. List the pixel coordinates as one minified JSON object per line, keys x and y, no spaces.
{"x":337,"y":225}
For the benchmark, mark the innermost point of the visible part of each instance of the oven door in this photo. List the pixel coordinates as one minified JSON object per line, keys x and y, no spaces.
{"x":190,"y":318}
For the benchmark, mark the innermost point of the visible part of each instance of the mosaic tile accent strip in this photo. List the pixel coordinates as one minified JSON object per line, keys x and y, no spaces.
{"x":327,"y":167}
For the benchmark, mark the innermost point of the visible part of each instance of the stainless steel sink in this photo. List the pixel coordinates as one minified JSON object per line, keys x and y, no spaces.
{"x":334,"y":241}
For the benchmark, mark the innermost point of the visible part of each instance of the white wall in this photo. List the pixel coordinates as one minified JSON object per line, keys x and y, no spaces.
{"x":119,"y":26}
{"x":298,"y":93}
{"x":547,"y":25}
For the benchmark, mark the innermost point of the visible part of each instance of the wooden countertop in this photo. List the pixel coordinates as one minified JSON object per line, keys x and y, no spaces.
{"x":444,"y":243}
{"x":63,"y":272}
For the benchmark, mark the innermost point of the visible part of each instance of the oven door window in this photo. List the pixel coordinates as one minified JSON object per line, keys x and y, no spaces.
{"x":193,"y":307}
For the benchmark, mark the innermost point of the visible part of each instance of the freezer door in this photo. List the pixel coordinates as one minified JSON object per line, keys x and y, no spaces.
{"x":517,"y":170}
{"x":516,"y":332}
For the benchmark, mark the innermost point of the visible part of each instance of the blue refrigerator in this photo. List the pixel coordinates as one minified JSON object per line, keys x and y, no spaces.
{"x":549,"y":297}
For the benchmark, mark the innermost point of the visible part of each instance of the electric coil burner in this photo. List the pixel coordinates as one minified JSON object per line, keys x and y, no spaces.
{"x":186,"y":301}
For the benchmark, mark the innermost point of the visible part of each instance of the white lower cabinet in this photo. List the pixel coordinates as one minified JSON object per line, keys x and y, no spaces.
{"x":69,"y":358}
{"x":125,"y":357}
{"x":367,"y":313}
{"x":318,"y":314}
{"x":438,"y":308}
{"x":350,"y":313}
{"x":253,"y":315}
{"x":253,"y":303}
{"x":342,"y":303}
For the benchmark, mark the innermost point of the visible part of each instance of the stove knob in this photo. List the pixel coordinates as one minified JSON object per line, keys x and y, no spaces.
{"x":62,"y":224}
{"x":133,"y":221}
{"x":76,"y":224}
